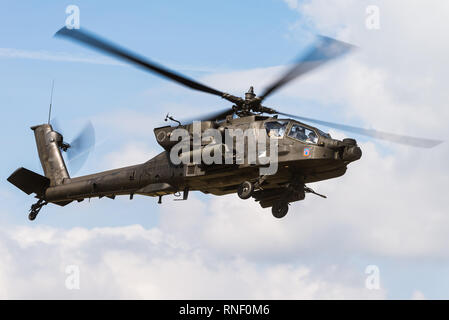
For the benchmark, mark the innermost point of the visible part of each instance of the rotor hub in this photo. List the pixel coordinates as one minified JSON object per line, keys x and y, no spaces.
{"x":250,"y":94}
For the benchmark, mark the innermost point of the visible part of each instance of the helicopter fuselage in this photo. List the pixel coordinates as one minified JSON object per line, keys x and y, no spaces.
{"x":298,"y":162}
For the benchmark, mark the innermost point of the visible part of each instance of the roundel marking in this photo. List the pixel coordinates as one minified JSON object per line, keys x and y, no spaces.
{"x":306,"y":152}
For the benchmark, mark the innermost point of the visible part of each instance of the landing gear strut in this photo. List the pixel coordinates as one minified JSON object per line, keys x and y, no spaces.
{"x":35,"y":208}
{"x":245,"y":190}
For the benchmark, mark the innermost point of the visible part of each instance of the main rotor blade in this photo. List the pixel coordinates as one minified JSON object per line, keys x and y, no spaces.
{"x":105,"y":46}
{"x":402,"y":139}
{"x":324,"y":50}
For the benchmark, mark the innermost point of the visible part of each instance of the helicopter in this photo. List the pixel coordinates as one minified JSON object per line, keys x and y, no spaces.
{"x":304,"y":153}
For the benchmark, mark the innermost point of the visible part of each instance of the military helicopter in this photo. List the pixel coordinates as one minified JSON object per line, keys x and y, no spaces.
{"x":305,"y":154}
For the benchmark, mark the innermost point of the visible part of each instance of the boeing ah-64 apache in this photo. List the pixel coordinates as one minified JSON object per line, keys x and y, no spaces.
{"x":305,"y":153}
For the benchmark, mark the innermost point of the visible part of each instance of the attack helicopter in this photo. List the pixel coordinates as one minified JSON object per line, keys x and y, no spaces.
{"x":305,"y":154}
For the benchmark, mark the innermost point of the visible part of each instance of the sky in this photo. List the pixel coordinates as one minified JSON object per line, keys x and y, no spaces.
{"x":388,"y":211}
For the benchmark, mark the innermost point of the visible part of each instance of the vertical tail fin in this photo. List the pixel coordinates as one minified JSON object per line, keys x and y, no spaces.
{"x":49,"y":143}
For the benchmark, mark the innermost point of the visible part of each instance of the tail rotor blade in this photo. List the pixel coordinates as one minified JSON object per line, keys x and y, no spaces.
{"x":56,"y":126}
{"x":80,"y":147}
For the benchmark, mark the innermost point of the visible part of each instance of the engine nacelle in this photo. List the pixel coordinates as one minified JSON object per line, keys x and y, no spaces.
{"x":164,"y":134}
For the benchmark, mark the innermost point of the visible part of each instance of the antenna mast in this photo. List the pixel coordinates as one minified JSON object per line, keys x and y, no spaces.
{"x":51,"y":100}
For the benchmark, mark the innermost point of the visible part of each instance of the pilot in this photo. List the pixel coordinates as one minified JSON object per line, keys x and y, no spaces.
{"x":273,"y":129}
{"x":276,"y":129}
{"x":281,"y":131}
{"x":301,"y":134}
{"x":312,"y":137}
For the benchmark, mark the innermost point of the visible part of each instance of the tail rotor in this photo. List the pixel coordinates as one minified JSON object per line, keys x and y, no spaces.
{"x":77,"y":151}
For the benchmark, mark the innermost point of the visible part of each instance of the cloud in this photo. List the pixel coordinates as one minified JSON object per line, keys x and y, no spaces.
{"x":292,"y":4}
{"x":390,"y":84}
{"x":11,"y":53}
{"x":132,"y":123}
{"x":240,"y":81}
{"x":418,"y":295}
{"x":130,"y":154}
{"x":133,"y":262}
{"x":14,"y":53}
{"x":378,"y":209}
{"x":388,"y":78}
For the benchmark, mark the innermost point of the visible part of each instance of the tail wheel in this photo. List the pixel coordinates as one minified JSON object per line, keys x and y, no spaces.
{"x":245,"y":190}
{"x":279,"y":209}
{"x":32,"y":216}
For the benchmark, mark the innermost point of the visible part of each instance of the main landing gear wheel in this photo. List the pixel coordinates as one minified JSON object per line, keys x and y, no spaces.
{"x":245,"y":190}
{"x":279,"y":209}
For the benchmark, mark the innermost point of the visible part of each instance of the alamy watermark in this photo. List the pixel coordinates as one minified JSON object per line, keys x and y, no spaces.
{"x":72,"y":282}
{"x":372,"y":281}
{"x":372,"y":21}
{"x":72,"y":21}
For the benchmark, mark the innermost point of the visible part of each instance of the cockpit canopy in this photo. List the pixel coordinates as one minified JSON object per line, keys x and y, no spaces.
{"x":303,"y":134}
{"x":278,"y":129}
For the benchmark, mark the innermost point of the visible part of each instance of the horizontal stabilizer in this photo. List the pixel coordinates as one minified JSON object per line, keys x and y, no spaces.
{"x":29,"y":181}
